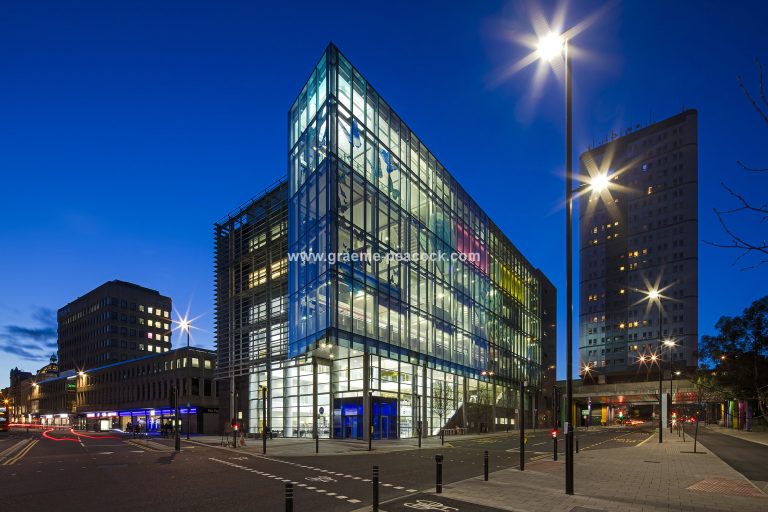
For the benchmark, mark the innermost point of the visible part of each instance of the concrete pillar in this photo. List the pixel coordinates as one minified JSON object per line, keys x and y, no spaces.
{"x":367,"y":403}
{"x":424,"y":417}
{"x":493,"y":407}
{"x":314,"y":397}
{"x":464,"y":401}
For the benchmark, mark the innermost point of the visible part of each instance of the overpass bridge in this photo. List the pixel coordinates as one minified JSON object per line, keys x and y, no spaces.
{"x":608,"y":404}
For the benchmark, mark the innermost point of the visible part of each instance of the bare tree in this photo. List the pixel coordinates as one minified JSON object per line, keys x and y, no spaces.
{"x":442,"y":399}
{"x":746,"y":247}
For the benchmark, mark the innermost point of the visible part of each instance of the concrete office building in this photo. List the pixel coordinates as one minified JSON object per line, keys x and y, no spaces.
{"x":345,"y":343}
{"x":116,"y":321}
{"x":644,"y":237}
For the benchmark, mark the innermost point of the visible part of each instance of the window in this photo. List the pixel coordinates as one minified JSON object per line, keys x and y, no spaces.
{"x":257,"y":242}
{"x":279,"y":268}
{"x":208,"y":364}
{"x":257,"y":277}
{"x":195,"y":362}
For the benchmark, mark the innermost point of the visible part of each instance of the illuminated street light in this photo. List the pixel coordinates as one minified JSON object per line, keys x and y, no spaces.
{"x":550,"y":46}
{"x":599,"y":182}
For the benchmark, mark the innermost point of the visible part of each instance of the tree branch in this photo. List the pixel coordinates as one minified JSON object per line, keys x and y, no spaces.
{"x":738,"y":243}
{"x":744,"y":202}
{"x":750,"y":169}
{"x":751,"y":99}
{"x":760,"y":74}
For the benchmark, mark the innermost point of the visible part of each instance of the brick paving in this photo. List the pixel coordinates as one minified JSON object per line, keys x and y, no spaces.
{"x":647,"y":477}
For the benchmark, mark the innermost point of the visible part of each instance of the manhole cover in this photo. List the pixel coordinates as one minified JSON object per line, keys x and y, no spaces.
{"x":727,"y":486}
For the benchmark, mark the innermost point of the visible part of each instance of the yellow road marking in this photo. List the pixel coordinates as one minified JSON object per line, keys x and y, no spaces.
{"x":21,"y":454}
{"x":641,"y":443}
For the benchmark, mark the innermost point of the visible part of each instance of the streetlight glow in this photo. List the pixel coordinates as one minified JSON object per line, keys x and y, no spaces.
{"x":550,"y":46}
{"x":653,"y":294}
{"x":599,"y":182}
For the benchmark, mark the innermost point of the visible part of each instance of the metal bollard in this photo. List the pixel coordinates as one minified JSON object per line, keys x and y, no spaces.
{"x":375,"y":488}
{"x":577,"y":445}
{"x":554,"y":450}
{"x":439,"y":474}
{"x":289,"y":497}
{"x":485,"y":464}
{"x":317,"y":443}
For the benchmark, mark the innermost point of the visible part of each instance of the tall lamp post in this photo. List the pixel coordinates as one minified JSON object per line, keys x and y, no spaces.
{"x":185,"y":326}
{"x":655,"y":296}
{"x":549,"y":47}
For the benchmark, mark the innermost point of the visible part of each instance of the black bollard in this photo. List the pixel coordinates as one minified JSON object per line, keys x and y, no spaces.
{"x":554,"y":449}
{"x":439,"y":474}
{"x":485,"y":464}
{"x":317,"y":443}
{"x":289,"y":497}
{"x":577,"y":445}
{"x":375,"y":488}
{"x":442,"y":437}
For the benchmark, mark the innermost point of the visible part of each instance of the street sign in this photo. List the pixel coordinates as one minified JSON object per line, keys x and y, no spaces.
{"x":321,"y":410}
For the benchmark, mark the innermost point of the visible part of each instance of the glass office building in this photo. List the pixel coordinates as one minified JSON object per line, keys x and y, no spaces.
{"x":406,"y":304}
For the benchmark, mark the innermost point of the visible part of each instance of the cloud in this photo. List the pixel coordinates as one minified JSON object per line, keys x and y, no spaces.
{"x":34,"y":333}
{"x":20,"y":351}
{"x":33,"y":342}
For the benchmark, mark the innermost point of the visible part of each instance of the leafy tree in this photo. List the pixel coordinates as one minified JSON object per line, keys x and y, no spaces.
{"x":740,"y":353}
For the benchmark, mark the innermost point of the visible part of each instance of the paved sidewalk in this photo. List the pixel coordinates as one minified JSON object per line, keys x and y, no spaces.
{"x":646,"y":477}
{"x":299,"y":447}
{"x":755,"y":437}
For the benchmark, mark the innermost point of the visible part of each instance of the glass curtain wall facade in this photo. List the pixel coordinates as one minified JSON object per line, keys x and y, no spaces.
{"x":381,"y":345}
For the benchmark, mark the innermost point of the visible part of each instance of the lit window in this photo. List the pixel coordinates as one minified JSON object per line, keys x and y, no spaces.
{"x":257,"y":242}
{"x":149,"y":335}
{"x":141,"y":307}
{"x":150,"y":310}
{"x":208,"y":364}
{"x":195,"y":362}
{"x":279,"y":268}
{"x":257,"y":277}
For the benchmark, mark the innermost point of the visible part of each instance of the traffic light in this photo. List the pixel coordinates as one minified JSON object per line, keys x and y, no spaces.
{"x":554,"y":434}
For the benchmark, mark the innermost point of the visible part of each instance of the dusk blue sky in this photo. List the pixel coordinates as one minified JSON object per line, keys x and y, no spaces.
{"x":128,"y":128}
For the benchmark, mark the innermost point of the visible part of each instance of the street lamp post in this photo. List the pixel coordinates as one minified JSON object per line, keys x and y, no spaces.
{"x":549,"y":47}
{"x":569,"y":271}
{"x":654,"y":295}
{"x":188,"y":379}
